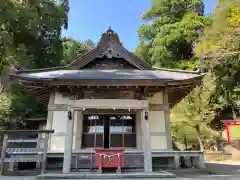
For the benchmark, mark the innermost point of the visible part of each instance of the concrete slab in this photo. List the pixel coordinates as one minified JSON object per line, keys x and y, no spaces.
{"x":142,"y":175}
{"x":204,"y":177}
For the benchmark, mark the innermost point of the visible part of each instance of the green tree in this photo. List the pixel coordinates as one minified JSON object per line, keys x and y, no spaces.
{"x":195,"y":113}
{"x":221,"y":56}
{"x":73,"y":49}
{"x":169,"y":38}
{"x":30,"y":37}
{"x":5,"y":108}
{"x":168,"y":41}
{"x":32,"y":32}
{"x":218,"y":53}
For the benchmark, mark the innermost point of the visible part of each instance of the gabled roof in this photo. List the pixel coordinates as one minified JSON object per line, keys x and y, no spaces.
{"x":109,"y":46}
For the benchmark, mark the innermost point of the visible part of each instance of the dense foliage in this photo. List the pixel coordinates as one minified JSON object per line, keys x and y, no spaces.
{"x":222,"y":56}
{"x":30,"y":37}
{"x":32,"y":32}
{"x":72,"y":49}
{"x":183,"y":38}
{"x":167,"y":40}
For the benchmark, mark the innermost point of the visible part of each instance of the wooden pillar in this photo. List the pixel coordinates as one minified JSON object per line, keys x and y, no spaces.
{"x":50,"y":113}
{"x":11,"y":166}
{"x":68,"y":144}
{"x":177,"y":161}
{"x":49,"y":117}
{"x":3,"y":152}
{"x":201,"y":163}
{"x":44,"y":158}
{"x":167,"y":119}
{"x":146,"y":142}
{"x":39,"y":145}
{"x":79,"y":129}
{"x":138,"y":130}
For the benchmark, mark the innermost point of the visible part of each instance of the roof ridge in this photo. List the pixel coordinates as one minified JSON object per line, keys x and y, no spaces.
{"x":176,"y":70}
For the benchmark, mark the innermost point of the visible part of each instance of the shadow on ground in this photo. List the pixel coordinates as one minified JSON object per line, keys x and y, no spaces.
{"x":221,"y":169}
{"x":212,"y":171}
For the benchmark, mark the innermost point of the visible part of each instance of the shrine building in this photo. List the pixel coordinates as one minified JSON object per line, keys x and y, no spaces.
{"x":109,"y":99}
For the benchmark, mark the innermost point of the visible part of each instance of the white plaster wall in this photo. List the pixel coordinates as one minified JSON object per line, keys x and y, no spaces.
{"x":157,"y":98}
{"x":57,"y":143}
{"x":59,"y":99}
{"x":156,"y":121}
{"x":157,"y":130}
{"x":59,"y":124}
{"x":158,"y":142}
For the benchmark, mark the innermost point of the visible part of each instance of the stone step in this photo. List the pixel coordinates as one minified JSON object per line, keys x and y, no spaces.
{"x":142,"y":175}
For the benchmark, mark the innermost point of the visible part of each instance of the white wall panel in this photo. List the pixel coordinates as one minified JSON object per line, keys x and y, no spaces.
{"x":157,"y":130}
{"x":59,"y":99}
{"x":156,"y":121}
{"x":60,"y":119}
{"x":158,"y":142}
{"x":57,"y":143}
{"x":157,"y":98}
{"x":59,"y":124}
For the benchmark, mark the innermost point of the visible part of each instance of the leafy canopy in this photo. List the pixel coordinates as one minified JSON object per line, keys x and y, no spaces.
{"x":221,"y":56}
{"x":168,"y":39}
{"x":30,"y":37}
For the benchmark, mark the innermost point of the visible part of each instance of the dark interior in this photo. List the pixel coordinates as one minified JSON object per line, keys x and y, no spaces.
{"x":109,"y":130}
{"x":106,"y":132}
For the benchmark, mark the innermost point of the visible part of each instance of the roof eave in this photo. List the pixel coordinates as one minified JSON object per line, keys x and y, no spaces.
{"x":39,"y":70}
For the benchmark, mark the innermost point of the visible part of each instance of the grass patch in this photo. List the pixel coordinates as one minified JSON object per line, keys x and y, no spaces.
{"x":234,"y":133}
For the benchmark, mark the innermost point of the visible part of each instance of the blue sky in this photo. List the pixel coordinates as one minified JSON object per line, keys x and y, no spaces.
{"x":88,"y":19}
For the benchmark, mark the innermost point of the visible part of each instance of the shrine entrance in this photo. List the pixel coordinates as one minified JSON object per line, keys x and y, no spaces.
{"x":109,"y":131}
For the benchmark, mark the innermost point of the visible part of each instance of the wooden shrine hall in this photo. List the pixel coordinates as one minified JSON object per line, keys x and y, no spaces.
{"x":109,"y":109}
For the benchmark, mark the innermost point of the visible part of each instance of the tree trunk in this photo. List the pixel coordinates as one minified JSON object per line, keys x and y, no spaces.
{"x":1,"y":83}
{"x":199,"y":138}
{"x":185,"y":141}
{"x":220,"y":141}
{"x":234,"y":114}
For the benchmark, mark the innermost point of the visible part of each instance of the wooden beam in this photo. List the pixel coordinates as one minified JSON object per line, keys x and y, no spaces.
{"x":158,"y":107}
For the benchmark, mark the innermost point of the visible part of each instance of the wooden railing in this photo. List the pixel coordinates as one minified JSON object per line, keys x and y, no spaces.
{"x":23,"y":154}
